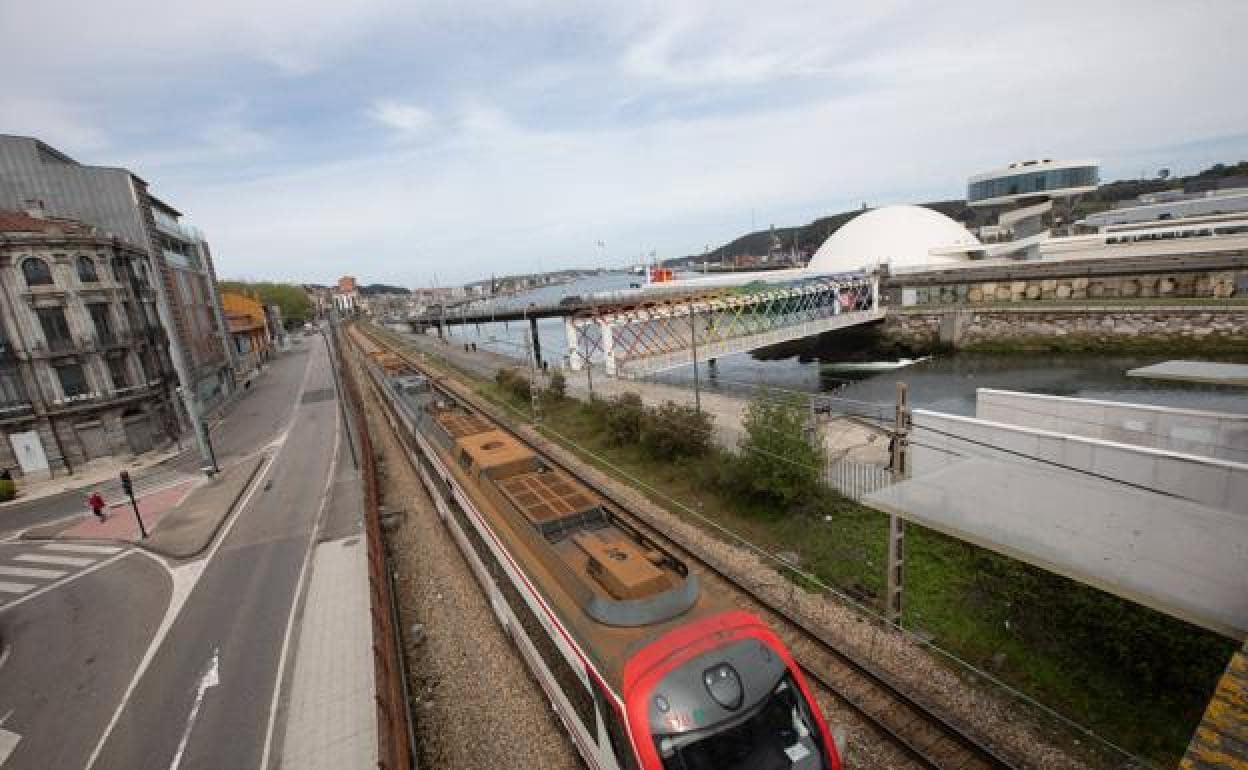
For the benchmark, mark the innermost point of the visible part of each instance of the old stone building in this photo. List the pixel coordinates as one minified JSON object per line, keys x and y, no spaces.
{"x":80,"y":345}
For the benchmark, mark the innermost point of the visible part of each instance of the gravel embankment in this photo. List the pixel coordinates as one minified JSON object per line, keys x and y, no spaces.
{"x":476,"y":705}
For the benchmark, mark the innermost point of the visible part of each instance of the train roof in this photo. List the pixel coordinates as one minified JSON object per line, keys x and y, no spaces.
{"x":614,"y":574}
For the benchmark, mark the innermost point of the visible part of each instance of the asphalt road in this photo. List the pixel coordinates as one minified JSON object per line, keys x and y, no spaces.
{"x":234,"y":621}
{"x":251,"y":423}
{"x":71,"y":652}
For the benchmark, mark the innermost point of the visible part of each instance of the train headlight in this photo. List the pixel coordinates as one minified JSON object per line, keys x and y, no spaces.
{"x":724,"y":684}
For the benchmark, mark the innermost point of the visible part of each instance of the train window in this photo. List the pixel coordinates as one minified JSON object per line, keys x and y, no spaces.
{"x":615,"y":731}
{"x":572,"y":685}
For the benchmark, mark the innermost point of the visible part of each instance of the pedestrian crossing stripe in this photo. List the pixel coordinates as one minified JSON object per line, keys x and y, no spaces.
{"x":75,"y":548}
{"x":15,"y":588}
{"x":32,"y":572}
{"x":71,"y":561}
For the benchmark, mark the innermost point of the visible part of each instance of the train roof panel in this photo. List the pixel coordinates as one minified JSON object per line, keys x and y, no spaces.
{"x":459,"y":423}
{"x":497,"y":454}
{"x":620,"y":566}
{"x":545,"y":496}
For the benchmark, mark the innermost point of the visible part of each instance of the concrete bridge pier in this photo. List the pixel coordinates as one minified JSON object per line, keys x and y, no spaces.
{"x":576,"y":359}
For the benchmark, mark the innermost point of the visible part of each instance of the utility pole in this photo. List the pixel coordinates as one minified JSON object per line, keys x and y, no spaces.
{"x":532,"y":359}
{"x":693,"y":336}
{"x":898,"y":457}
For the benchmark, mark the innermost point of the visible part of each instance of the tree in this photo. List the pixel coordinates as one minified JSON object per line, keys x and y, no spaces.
{"x":292,"y":299}
{"x":780,"y":463}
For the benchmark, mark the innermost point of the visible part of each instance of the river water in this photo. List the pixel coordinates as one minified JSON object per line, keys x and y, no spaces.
{"x":943,"y":383}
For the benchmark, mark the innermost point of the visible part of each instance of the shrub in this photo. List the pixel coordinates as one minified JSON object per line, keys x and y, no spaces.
{"x":674,"y":430}
{"x":8,"y":490}
{"x":514,"y":383}
{"x":779,"y":463}
{"x":625,"y":417}
{"x":557,"y":388}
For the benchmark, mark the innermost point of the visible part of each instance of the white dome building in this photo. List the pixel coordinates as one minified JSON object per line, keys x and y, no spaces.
{"x":899,"y":236}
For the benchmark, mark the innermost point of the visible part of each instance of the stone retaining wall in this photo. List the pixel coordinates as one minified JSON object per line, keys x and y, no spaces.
{"x":1220,"y":284}
{"x":966,"y":327}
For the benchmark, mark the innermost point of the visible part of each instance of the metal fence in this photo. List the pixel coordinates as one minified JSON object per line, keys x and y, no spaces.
{"x":394,"y":734}
{"x":856,"y":480}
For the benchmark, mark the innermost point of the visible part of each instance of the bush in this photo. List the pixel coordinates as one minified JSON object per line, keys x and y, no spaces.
{"x":625,"y":417}
{"x":8,"y":490}
{"x":674,"y":430}
{"x":514,"y":383}
{"x":779,"y":463}
{"x":557,"y":389}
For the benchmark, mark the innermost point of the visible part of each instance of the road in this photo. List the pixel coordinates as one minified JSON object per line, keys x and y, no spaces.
{"x":70,"y":652}
{"x":250,"y":424}
{"x":121,"y":661}
{"x":235,"y":619}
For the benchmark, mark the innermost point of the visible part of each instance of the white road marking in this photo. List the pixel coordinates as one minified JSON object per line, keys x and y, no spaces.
{"x":211,"y":678}
{"x":69,"y":561}
{"x":70,"y":579}
{"x":32,"y":572}
{"x":15,"y":588}
{"x":8,"y":739}
{"x":76,"y":548}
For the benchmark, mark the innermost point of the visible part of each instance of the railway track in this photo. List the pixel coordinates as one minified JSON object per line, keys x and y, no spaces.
{"x":928,"y":738}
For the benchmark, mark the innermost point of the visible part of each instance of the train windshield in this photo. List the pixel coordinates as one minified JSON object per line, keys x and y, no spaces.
{"x":777,"y":734}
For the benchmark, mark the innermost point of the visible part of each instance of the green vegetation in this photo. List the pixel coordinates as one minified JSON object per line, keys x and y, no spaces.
{"x":557,"y":388}
{"x":8,"y":490}
{"x":779,"y":464}
{"x":1133,"y":675}
{"x":292,"y":299}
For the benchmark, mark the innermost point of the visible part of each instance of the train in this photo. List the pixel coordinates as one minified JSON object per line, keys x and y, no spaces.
{"x":645,"y":670}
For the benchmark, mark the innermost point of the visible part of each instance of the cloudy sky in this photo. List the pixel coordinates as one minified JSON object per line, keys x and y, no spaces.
{"x":399,"y":140}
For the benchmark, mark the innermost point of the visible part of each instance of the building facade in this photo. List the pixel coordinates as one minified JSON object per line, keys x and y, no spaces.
{"x":81,"y":373}
{"x":346,"y":296}
{"x":248,"y":323}
{"x":177,"y":260}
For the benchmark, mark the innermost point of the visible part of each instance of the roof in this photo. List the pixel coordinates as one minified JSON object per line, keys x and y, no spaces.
{"x":497,"y":453}
{"x":1173,"y":555}
{"x":900,"y":236}
{"x":21,"y":222}
{"x":1032,"y":166}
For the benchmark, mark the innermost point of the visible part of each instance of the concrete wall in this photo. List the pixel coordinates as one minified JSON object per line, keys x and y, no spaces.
{"x":1211,"y":434}
{"x":940,"y":439}
{"x":1211,"y":284}
{"x":1096,"y":326}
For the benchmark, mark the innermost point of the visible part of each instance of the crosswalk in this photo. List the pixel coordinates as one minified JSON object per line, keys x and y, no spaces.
{"x":155,"y":479}
{"x":26,"y":568}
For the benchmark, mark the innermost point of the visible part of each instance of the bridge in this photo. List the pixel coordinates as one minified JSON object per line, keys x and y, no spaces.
{"x":640,"y":331}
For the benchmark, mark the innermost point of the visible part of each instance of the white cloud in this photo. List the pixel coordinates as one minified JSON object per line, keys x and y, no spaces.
{"x":406,"y":120}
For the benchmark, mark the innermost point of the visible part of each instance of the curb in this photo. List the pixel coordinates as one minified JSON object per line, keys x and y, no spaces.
{"x":216,"y":529}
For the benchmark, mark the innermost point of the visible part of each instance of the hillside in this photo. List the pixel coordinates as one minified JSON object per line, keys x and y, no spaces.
{"x":811,"y":236}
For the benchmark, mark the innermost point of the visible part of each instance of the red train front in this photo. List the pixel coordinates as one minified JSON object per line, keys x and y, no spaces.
{"x":723,"y":693}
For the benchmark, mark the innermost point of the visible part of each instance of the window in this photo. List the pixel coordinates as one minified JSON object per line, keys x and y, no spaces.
{"x":36,"y":272}
{"x":86,"y":271}
{"x":73,"y":379}
{"x":103,"y":322}
{"x":12,"y":391}
{"x":117,"y":369}
{"x":55,"y":328}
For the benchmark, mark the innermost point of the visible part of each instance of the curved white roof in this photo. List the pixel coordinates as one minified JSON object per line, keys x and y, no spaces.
{"x":900,"y":236}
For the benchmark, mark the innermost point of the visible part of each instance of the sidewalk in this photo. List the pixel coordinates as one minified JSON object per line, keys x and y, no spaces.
{"x":92,"y":474}
{"x":331,"y":711}
{"x":181,"y":519}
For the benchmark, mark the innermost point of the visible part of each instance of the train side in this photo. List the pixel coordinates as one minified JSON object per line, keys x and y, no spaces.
{"x":706,"y":687}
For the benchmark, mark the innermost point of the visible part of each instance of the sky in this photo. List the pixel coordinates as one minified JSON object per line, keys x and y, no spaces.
{"x":417,"y":143}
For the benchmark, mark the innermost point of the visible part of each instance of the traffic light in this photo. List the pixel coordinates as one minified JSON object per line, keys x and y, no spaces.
{"x":126,"y":486}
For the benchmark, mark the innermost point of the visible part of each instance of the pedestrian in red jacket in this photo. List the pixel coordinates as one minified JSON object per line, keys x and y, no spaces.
{"x":96,"y":501}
